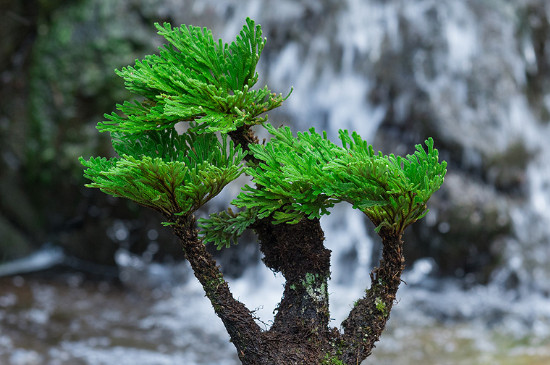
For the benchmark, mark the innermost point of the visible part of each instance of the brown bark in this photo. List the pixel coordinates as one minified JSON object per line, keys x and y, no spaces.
{"x":237,"y":319}
{"x":244,"y":137}
{"x":368,"y":318}
{"x":297,"y":251}
{"x":300,"y":333}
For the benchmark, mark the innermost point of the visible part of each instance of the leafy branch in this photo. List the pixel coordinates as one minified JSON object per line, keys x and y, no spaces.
{"x":302,"y":177}
{"x":165,"y":171}
{"x":295,"y":180}
{"x":194,"y":78}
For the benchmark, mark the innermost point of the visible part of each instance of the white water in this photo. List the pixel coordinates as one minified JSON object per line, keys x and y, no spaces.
{"x":473,"y":74}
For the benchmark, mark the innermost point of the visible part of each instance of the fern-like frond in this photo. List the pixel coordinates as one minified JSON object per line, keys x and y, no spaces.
{"x":390,"y":190}
{"x":290,"y":178}
{"x":226,"y":227}
{"x":303,"y":176}
{"x":195,"y":78}
{"x":171,"y":173}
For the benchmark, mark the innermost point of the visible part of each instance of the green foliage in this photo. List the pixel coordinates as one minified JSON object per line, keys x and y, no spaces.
{"x":287,"y":179}
{"x":381,"y":306}
{"x":209,"y":85}
{"x":225,"y":227}
{"x":301,"y":177}
{"x":197,"y":79}
{"x":391,"y":190}
{"x":331,"y":360}
{"x":171,"y":173}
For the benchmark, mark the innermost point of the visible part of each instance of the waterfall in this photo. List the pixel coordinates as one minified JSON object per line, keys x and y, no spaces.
{"x":464,"y":72}
{"x":399,"y":71}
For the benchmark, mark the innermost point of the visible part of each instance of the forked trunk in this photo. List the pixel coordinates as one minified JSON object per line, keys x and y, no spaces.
{"x":300,"y":333}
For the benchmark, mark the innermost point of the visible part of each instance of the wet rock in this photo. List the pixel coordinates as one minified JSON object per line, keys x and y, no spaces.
{"x":58,"y":59}
{"x":465,"y":231}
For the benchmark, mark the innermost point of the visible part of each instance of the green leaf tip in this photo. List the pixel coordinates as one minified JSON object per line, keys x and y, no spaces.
{"x":194,"y":78}
{"x":171,"y":173}
{"x":303,"y":176}
{"x":224,"y":228}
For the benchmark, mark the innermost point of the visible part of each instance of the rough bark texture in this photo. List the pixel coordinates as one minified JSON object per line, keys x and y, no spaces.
{"x":243,"y":137}
{"x":297,"y":251}
{"x":237,"y":319}
{"x":368,"y":318}
{"x":300,"y":333}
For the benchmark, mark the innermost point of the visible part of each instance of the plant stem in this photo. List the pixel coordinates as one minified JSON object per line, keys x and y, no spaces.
{"x":298,"y":252}
{"x":237,"y":319}
{"x":368,"y":318}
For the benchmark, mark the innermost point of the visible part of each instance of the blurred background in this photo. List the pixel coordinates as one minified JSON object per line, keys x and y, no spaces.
{"x":89,"y":279}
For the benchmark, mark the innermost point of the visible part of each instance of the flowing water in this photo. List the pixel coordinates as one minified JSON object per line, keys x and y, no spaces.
{"x":69,"y":320}
{"x":368,"y":66}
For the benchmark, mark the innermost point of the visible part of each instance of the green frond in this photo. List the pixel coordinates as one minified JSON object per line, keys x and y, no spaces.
{"x":209,"y":84}
{"x":290,"y":179}
{"x":171,"y":173}
{"x":303,"y":176}
{"x":225,"y":227}
{"x":390,"y":190}
{"x":195,"y":78}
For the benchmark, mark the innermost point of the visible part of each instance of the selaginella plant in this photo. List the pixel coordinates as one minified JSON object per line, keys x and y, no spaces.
{"x":296,"y":179}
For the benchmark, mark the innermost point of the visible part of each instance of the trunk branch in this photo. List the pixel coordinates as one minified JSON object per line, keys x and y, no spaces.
{"x":368,"y":318}
{"x":237,"y":319}
{"x":244,"y":137}
{"x":300,"y":332}
{"x":297,"y":251}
